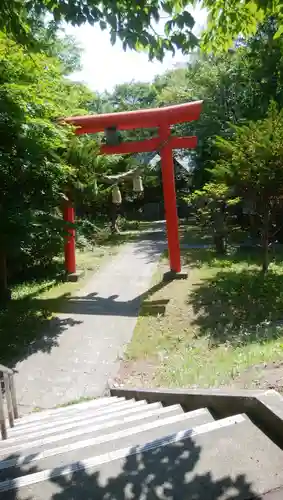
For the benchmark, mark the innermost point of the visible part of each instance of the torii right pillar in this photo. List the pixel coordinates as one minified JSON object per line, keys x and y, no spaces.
{"x":170,"y":202}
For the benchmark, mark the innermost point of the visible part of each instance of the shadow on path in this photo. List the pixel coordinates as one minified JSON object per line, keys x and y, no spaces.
{"x":111,"y":306}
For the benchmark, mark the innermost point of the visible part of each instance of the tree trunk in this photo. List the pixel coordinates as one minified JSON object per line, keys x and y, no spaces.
{"x":265,"y":242}
{"x":253,"y":226}
{"x":219,"y":230}
{"x":219,"y":243}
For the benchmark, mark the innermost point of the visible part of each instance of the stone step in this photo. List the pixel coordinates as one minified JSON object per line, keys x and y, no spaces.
{"x":227,"y":459}
{"x":126,"y":433}
{"x":28,"y":433}
{"x":19,"y":443}
{"x":73,"y":435}
{"x":74,"y":441}
{"x":66,"y":410}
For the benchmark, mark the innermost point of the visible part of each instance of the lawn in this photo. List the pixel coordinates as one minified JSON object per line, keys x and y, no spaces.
{"x":223,"y":326}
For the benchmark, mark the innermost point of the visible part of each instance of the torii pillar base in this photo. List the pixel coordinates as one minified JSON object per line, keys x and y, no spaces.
{"x":172,"y":275}
{"x":74,"y":277}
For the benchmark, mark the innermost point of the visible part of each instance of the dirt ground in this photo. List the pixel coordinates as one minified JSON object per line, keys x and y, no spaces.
{"x":265,"y":376}
{"x":141,"y":374}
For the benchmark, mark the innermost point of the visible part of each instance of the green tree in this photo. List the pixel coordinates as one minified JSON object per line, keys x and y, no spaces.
{"x":212,"y":205}
{"x":172,"y":87}
{"x":260,"y":66}
{"x":229,"y":19}
{"x":33,"y":172}
{"x":235,"y":87}
{"x":131,"y":96}
{"x":251,"y":164}
{"x":212,"y":80}
{"x":134,"y":23}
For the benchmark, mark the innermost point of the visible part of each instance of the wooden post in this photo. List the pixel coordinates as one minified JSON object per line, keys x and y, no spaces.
{"x":13,"y":396}
{"x":3,"y":428}
{"x":8,"y":399}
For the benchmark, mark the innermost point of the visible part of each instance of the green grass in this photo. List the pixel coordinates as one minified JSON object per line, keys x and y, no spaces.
{"x":193,"y":234}
{"x":83,"y":399}
{"x":129,"y":231}
{"x":225,"y":318}
{"x":135,"y":225}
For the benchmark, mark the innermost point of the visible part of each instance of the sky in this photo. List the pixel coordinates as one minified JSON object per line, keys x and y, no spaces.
{"x":104,"y":65}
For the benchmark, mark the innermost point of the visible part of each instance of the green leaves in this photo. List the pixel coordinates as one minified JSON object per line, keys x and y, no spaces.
{"x":213,"y":209}
{"x":214,"y":192}
{"x":227,"y":20}
{"x":279,"y":32}
{"x":252,"y":161}
{"x":33,"y":173}
{"x":131,"y":22}
{"x":230,"y":19}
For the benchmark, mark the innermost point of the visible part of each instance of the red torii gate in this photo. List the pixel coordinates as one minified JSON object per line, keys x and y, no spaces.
{"x":162,"y":119}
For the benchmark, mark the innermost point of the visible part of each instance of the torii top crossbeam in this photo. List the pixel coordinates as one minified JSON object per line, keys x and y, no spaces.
{"x":162,"y":119}
{"x":143,"y":118}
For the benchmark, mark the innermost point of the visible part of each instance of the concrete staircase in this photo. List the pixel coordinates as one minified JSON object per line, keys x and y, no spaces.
{"x":112,"y":448}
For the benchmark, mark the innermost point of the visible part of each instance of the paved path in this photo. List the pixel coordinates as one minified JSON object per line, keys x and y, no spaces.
{"x":95,"y":327}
